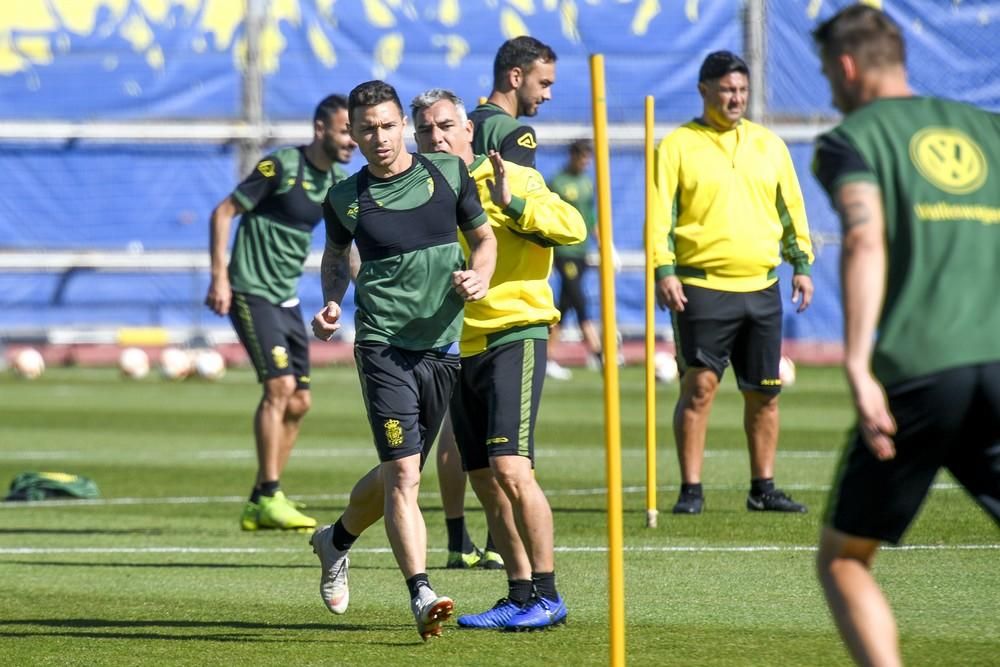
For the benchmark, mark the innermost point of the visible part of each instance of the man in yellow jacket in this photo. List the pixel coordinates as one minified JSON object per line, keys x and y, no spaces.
{"x":729,"y":207}
{"x":503,"y":352}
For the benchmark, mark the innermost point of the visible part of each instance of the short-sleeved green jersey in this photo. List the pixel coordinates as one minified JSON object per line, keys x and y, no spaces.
{"x":406,"y":230}
{"x":495,"y":129}
{"x":283,"y":201}
{"x":937,"y":163}
{"x":578,"y":190}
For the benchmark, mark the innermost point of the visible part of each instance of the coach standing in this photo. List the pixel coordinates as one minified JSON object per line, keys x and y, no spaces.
{"x":728,"y":208}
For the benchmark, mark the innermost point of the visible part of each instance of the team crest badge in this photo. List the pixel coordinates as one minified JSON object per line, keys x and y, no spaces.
{"x":949,"y":159}
{"x":352,"y":211}
{"x":393,"y":432}
{"x":534,"y":183}
{"x":280,"y":356}
{"x":527,"y":140}
{"x":266,"y":167}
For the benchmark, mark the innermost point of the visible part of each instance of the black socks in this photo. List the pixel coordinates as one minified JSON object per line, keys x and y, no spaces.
{"x":518,"y":590}
{"x":264,"y":489}
{"x":342,"y":540}
{"x":545,"y":585}
{"x":458,"y":536}
{"x":417,"y":581}
{"x":691,"y":489}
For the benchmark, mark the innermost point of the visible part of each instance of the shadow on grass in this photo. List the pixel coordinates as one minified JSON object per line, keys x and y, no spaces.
{"x":230,"y":631}
{"x":103,"y":623}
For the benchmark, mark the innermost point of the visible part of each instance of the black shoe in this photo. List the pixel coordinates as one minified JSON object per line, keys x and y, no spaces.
{"x":689,"y":503}
{"x":775,"y":500}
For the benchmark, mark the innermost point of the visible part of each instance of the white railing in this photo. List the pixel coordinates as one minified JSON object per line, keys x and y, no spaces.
{"x":222,"y":131}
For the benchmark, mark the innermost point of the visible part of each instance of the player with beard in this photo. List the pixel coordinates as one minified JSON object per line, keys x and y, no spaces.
{"x":280,"y":203}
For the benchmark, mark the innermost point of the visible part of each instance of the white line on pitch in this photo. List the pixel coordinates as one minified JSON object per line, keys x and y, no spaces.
{"x":333,"y":453}
{"x":428,"y":495}
{"x":764,"y":548}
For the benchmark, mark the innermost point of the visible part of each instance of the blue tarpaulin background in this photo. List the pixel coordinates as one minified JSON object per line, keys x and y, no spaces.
{"x":145,"y":60}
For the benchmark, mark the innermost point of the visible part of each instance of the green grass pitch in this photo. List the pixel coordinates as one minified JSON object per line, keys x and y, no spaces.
{"x":158,"y":572}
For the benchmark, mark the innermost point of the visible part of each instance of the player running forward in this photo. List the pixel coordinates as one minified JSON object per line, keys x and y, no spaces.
{"x":403,"y":211}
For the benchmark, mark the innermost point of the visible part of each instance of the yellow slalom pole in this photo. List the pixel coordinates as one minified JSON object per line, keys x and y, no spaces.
{"x":612,"y":409}
{"x":651,"y":511}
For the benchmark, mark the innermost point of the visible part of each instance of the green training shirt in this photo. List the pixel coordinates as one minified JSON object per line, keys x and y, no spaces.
{"x":495,"y":129}
{"x":937,"y":163}
{"x":578,"y":190}
{"x":406,"y":230}
{"x":283,"y":201}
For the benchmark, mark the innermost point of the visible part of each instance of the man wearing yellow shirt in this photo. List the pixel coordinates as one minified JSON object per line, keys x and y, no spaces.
{"x":503,"y":352}
{"x":729,"y":207}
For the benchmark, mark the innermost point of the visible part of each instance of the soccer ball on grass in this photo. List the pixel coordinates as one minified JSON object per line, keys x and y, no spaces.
{"x":29,"y":364}
{"x":209,"y":364}
{"x":175,"y":364}
{"x":133,"y":362}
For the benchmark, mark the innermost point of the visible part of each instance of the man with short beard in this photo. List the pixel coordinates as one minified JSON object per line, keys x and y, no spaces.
{"x":280,"y":203}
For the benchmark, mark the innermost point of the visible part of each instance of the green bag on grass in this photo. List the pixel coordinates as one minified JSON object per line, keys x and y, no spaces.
{"x":44,"y":485}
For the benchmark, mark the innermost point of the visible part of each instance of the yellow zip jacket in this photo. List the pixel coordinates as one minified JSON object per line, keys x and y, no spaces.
{"x":728,"y":206}
{"x":519,"y":303}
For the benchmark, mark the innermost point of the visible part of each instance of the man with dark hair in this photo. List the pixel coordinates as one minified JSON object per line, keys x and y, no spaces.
{"x":523,"y":73}
{"x":503,"y":353}
{"x":281,"y":205}
{"x":575,"y":186}
{"x":916,"y":184}
{"x":728,"y":207}
{"x":403,"y":211}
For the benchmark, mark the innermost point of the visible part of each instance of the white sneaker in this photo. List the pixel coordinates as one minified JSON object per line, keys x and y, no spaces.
{"x":430,"y":610}
{"x":333,"y":582}
{"x":557,"y":372}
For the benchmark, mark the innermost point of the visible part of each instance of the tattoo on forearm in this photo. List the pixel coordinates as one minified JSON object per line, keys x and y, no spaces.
{"x":335,"y":273}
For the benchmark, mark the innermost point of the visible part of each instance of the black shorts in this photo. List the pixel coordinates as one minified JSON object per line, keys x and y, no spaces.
{"x":571,"y":296}
{"x":496,"y":402}
{"x":406,"y":395}
{"x":947,"y":420}
{"x":273,"y":336}
{"x":717,"y":327}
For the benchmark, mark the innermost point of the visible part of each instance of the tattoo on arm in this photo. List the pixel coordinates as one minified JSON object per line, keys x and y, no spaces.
{"x":854,"y":205}
{"x":853,"y":214}
{"x":335,"y":272}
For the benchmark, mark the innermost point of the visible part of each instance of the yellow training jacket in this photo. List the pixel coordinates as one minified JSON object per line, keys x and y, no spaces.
{"x":519,"y":294}
{"x":727,"y":207}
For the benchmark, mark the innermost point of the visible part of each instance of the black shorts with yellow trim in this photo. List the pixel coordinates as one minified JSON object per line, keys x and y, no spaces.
{"x":717,"y":328}
{"x":273,"y":336}
{"x":406,"y":394}
{"x":495,"y":404}
{"x":949,"y":419}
